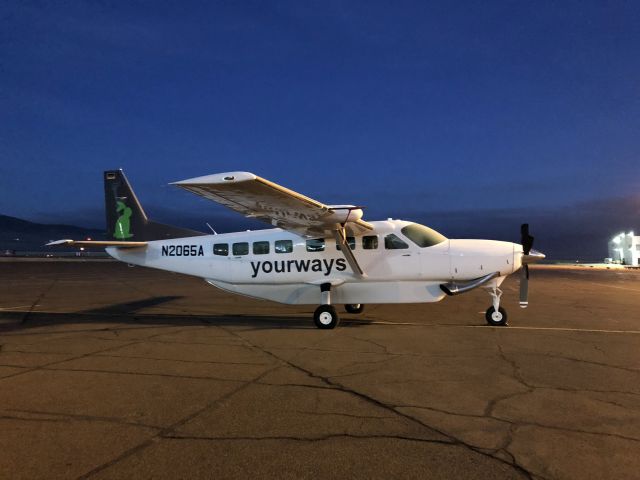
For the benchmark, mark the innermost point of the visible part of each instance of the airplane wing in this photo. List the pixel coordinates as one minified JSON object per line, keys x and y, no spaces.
{"x":95,"y":243}
{"x":256,"y":197}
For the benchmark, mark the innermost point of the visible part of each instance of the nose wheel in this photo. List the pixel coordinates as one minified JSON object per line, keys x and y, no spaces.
{"x":496,"y":318}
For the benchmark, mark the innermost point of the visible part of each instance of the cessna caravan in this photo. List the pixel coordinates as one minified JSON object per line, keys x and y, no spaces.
{"x":316,"y":254}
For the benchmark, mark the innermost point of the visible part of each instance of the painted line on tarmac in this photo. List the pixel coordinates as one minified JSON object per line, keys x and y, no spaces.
{"x":561,"y":329}
{"x":510,"y":327}
{"x":615,"y":286}
{"x":13,"y":308}
{"x":410,"y":324}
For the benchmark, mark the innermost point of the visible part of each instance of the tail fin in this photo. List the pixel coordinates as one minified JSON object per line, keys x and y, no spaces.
{"x":126,"y":220}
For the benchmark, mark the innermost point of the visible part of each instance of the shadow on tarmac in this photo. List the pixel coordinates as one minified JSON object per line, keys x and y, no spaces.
{"x":128,"y":314}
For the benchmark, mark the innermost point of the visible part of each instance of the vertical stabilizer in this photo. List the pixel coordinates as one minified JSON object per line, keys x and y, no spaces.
{"x":126,"y":219}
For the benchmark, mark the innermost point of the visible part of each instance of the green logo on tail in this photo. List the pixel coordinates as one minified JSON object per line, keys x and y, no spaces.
{"x":123,"y":224}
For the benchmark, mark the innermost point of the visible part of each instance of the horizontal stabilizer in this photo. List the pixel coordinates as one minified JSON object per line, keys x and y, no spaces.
{"x":95,"y":243}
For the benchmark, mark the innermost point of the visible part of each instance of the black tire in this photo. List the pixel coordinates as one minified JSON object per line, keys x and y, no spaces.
{"x":325,"y":317}
{"x":497,"y":320}
{"x":354,"y":307}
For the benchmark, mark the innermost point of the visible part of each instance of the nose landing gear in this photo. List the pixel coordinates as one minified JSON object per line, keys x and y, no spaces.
{"x":496,"y":316}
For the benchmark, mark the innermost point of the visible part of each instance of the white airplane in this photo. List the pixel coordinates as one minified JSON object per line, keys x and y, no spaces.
{"x":317,"y":254}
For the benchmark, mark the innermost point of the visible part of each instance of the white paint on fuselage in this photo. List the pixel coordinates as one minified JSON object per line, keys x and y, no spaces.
{"x":392,"y":276}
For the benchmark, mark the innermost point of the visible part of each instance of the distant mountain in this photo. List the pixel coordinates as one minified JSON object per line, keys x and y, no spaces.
{"x":22,"y":235}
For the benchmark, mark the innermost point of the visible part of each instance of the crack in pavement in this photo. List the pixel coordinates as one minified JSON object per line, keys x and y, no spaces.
{"x":25,"y":318}
{"x":165,"y":431}
{"x":517,"y":376}
{"x":319,"y":438}
{"x":327,"y":380}
{"x":78,"y":357}
{"x":65,"y":417}
{"x":518,"y":423}
{"x":44,"y":366}
{"x":132,"y":357}
{"x":143,"y":374}
{"x":590,"y":362}
{"x":384,"y":348}
{"x":298,"y":385}
{"x":348,"y":415}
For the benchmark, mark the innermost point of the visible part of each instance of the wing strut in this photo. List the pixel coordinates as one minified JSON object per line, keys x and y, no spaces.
{"x":341,"y":237}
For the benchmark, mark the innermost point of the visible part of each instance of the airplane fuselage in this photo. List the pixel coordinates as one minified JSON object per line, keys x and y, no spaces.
{"x":282,"y":266}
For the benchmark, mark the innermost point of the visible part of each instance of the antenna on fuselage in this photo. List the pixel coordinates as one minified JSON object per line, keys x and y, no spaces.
{"x":211,"y":228}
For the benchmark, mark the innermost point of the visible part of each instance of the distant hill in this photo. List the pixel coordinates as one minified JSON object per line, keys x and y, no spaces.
{"x":22,"y":235}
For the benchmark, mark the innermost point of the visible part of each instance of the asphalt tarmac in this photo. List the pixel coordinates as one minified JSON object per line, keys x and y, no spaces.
{"x":108,"y":371}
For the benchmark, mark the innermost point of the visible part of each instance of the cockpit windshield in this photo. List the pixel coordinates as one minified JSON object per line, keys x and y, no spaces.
{"x":422,"y":236}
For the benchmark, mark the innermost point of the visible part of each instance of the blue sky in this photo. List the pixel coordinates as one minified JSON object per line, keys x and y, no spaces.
{"x":469,"y":116}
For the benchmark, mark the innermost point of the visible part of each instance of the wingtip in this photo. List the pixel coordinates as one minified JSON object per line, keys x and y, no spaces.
{"x":217,"y":178}
{"x":59,"y":242}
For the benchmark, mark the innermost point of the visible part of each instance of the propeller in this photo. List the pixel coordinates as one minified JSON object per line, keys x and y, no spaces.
{"x":527,"y":242}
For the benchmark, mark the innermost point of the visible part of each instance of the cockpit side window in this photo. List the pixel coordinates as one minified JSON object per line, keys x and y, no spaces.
{"x":422,"y":236}
{"x":393,"y":242}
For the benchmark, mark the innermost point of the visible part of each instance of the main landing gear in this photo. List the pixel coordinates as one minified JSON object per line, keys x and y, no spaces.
{"x":325,"y":316}
{"x":354,"y":307}
{"x":496,"y":316}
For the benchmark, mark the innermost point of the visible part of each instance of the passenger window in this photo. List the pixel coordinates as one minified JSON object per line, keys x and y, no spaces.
{"x":241,"y":248}
{"x":393,"y":242}
{"x":370,"y":242}
{"x":284,"y":246}
{"x":351,"y":241}
{"x":260,"y":248}
{"x":221,"y":249}
{"x":315,"y":245}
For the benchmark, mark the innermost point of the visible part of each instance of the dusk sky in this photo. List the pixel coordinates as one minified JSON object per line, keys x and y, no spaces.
{"x":471,"y":117}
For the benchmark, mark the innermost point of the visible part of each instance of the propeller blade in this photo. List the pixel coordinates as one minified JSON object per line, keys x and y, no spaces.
{"x":524,"y":286}
{"x":525,"y":239}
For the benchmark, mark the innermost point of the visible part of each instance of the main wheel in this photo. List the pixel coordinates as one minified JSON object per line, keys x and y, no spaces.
{"x":325,"y":317}
{"x":496,"y":319}
{"x":354,"y":307}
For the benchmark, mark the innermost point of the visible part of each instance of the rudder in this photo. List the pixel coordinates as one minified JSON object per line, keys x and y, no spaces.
{"x":126,"y":219}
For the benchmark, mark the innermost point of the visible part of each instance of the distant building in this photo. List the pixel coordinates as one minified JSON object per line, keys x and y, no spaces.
{"x":624,"y":248}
